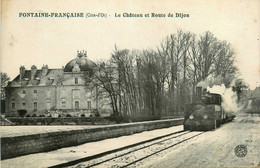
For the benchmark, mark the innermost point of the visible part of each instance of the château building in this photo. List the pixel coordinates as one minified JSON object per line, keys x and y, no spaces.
{"x":51,"y":91}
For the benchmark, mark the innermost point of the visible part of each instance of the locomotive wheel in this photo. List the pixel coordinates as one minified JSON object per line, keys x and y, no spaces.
{"x":218,"y":123}
{"x":224,"y":120}
{"x":214,"y":124}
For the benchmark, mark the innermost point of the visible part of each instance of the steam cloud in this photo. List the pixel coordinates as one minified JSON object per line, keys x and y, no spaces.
{"x":229,"y":97}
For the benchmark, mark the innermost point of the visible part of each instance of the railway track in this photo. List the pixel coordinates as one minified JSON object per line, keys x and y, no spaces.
{"x":133,"y":154}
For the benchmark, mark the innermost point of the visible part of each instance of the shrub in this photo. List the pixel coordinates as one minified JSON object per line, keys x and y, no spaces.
{"x":22,"y":112}
{"x":83,"y":115}
{"x":68,"y":115}
{"x":97,"y":114}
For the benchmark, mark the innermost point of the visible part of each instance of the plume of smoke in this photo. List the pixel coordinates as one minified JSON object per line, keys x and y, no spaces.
{"x":229,"y":97}
{"x":210,"y":81}
{"x":203,"y":84}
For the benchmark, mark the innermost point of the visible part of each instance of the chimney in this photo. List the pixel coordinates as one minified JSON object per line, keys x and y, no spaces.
{"x":44,"y":70}
{"x":199,"y":92}
{"x":33,"y":71}
{"x":82,"y":53}
{"x":22,"y":71}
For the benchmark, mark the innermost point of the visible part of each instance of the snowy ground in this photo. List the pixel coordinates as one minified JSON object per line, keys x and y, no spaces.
{"x":72,"y":153}
{"x":216,"y":148}
{"x":129,"y":157}
{"x":210,"y":149}
{"x":13,"y":131}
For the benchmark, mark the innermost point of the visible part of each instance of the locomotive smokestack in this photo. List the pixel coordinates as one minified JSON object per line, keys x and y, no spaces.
{"x":198,"y":92}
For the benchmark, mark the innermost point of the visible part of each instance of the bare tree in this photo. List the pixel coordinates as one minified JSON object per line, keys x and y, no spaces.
{"x":106,"y":79}
{"x":4,"y":81}
{"x":209,"y":48}
{"x":224,"y":63}
{"x":210,"y":57}
{"x":159,"y":83}
{"x":175,"y":48}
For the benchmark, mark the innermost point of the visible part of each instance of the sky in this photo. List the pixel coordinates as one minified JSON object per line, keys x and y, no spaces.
{"x":54,"y":41}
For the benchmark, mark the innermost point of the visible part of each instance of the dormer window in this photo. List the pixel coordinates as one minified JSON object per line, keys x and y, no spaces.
{"x":76,"y":81}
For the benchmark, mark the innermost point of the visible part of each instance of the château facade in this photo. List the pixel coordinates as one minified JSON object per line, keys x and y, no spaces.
{"x":57,"y":91}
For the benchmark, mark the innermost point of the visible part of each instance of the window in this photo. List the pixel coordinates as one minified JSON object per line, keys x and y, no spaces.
{"x":35,"y":105}
{"x":34,"y":93}
{"x":89,"y":105}
{"x":23,"y":104}
{"x":76,"y":104}
{"x":48,"y":93}
{"x":13,"y":105}
{"x":48,"y":105}
{"x":212,"y":99}
{"x":76,"y":81}
{"x":63,"y":103}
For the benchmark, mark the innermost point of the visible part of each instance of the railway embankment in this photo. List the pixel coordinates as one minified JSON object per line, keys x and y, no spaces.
{"x":23,"y":140}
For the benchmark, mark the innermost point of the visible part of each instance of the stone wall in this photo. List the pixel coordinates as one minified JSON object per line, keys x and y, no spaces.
{"x":42,"y":96}
{"x":60,"y":120}
{"x":23,"y":145}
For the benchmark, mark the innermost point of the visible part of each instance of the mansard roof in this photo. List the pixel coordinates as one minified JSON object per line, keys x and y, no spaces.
{"x":45,"y":76}
{"x":52,"y":77}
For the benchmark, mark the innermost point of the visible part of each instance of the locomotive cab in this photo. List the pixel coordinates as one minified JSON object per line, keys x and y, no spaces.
{"x":205,"y":113}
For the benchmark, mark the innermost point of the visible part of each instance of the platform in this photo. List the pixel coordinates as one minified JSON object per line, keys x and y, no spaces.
{"x":68,"y":154}
{"x":23,"y":140}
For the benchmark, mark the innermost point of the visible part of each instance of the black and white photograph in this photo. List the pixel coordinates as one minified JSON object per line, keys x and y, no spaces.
{"x":136,"y":84}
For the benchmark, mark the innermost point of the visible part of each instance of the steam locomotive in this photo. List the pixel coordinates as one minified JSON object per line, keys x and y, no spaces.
{"x":206,"y":113}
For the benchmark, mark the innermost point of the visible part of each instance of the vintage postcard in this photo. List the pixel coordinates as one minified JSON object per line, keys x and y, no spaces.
{"x":141,"y":83}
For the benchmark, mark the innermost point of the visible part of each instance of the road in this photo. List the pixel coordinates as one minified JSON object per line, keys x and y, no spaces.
{"x":216,"y":148}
